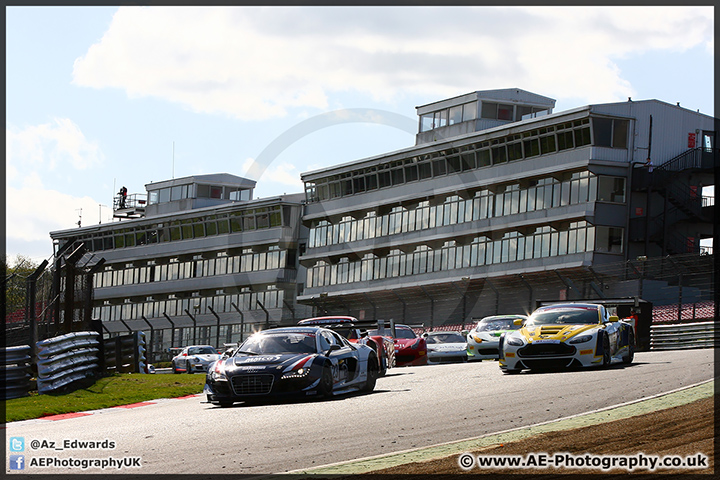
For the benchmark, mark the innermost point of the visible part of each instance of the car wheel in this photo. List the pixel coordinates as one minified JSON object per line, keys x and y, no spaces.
{"x":326,"y":382}
{"x":372,"y":375}
{"x":630,"y":355}
{"x":606,"y":350}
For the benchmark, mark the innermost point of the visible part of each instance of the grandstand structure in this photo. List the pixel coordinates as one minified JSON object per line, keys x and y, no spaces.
{"x":500,"y":203}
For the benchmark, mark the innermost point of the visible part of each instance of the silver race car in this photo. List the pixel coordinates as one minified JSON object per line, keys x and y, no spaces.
{"x":194,"y":358}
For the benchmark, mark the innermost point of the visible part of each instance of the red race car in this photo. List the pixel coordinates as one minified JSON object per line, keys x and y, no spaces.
{"x":409,"y":348}
{"x":356,"y":331}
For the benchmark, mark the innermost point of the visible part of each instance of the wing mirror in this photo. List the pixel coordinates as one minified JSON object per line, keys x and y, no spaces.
{"x":332,"y":348}
{"x":518,"y":321}
{"x":613,"y":318}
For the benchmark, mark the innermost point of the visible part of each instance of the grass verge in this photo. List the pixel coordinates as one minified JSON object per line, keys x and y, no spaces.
{"x":111,"y":391}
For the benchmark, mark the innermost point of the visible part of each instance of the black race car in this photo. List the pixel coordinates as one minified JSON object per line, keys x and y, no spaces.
{"x":292,"y":361}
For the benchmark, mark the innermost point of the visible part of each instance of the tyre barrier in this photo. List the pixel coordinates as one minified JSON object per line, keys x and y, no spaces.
{"x":16,"y":371}
{"x":683,"y":336}
{"x":66,"y":359}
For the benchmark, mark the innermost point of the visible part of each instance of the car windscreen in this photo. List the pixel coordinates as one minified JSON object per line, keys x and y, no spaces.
{"x":399,"y":333}
{"x":201,"y":351}
{"x":445,"y":338}
{"x":567,"y":316}
{"x":278,"y":343}
{"x":495,"y":325}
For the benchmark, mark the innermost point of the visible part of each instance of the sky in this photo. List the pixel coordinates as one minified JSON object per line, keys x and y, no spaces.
{"x":103,"y":97}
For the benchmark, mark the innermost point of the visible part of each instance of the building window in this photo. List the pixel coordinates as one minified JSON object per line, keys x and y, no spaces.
{"x":609,"y":132}
{"x":608,"y":239}
{"x":611,"y":189}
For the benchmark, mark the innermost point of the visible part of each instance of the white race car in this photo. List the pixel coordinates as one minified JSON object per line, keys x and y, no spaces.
{"x":445,"y":347}
{"x":483,"y":340}
{"x":567,"y":335}
{"x":194,"y":358}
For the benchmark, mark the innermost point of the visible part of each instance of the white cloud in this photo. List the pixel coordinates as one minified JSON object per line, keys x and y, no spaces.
{"x":274,"y":177}
{"x":48,"y":146}
{"x":255,"y":63}
{"x":33,"y":210}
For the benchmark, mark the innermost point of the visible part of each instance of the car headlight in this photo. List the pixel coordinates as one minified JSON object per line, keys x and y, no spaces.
{"x":514,"y":341}
{"x":298,"y":370}
{"x":299,"y":373}
{"x":581,"y":339}
{"x":477,"y":339}
{"x":217,"y":371}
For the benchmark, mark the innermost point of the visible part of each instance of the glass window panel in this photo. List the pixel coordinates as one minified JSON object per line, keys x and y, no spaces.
{"x":565,"y":140}
{"x":426,"y":122}
{"x":455,"y":115}
{"x":582,"y":137}
{"x":620,"y":133}
{"x":441,"y":118}
{"x":469,"y":111}
{"x":532,"y":147}
{"x":483,"y":157}
{"x":176,"y":193}
{"x":499,"y":154}
{"x":439,"y":166}
{"x":164,"y":195}
{"x":515,"y":151}
{"x":203,"y":191}
{"x":611,"y":189}
{"x":489,"y":110}
{"x":505,"y":112}
{"x":602,"y":132}
{"x":411,"y":173}
{"x":547,"y":144}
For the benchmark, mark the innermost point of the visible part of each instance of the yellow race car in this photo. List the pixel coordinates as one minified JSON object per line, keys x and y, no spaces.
{"x":567,"y":335}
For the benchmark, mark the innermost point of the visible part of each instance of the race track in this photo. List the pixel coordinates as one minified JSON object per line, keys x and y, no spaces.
{"x":411,"y":407}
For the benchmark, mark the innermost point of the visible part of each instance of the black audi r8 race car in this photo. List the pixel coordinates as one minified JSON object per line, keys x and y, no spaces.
{"x":291,"y":361}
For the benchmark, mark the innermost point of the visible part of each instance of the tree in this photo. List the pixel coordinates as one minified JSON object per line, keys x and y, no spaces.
{"x":14,"y":278}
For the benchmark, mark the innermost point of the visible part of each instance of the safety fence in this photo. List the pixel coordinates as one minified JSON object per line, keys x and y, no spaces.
{"x":686,"y":312}
{"x":70,"y":358}
{"x":67,"y":359}
{"x":683,"y":336}
{"x":126,"y":353}
{"x":16,"y":370}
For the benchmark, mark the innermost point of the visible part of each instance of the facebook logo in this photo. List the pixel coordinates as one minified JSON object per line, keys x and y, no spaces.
{"x":17,"y":444}
{"x":17,"y":462}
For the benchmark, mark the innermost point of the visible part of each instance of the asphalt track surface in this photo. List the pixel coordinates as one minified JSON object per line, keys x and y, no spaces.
{"x":413,"y":411}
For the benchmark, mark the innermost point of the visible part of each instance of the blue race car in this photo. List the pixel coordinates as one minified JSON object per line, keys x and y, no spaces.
{"x":291,"y":361}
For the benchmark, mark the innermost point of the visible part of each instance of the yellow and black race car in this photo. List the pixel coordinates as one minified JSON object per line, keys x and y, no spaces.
{"x":567,"y":335}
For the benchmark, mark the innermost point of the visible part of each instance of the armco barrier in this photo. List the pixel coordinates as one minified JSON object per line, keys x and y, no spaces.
{"x":66,"y":359}
{"x":16,"y":371}
{"x":681,"y":336}
{"x":125,"y":353}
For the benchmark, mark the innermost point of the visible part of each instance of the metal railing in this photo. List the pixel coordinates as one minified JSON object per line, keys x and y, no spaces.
{"x":67,"y":359}
{"x":683,"y":336}
{"x":17,"y":370}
